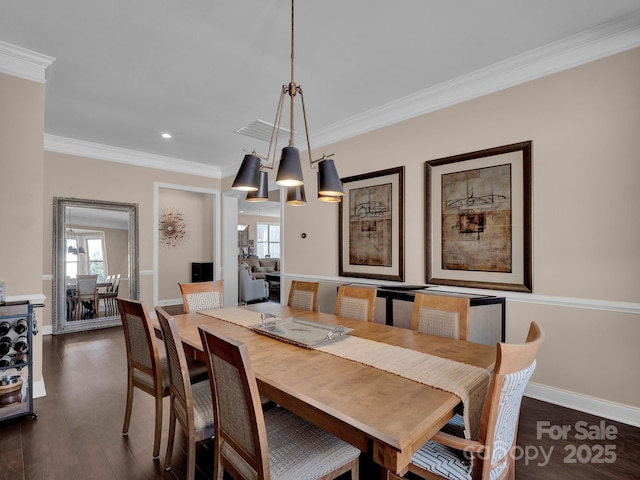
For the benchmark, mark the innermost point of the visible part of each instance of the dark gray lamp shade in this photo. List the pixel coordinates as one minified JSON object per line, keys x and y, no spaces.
{"x":329,"y":183}
{"x":290,"y":170}
{"x":248,"y":176}
{"x":296,"y":196}
{"x":262,"y":194}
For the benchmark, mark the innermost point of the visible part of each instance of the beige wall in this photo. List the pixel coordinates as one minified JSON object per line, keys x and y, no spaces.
{"x":585,"y":125}
{"x":67,"y":177}
{"x":21,"y":192}
{"x":174,"y":264}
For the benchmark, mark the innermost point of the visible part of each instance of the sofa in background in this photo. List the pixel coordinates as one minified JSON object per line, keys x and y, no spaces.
{"x":259,"y":267}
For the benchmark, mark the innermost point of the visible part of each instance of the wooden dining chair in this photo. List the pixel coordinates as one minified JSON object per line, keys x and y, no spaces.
{"x":491,"y":454}
{"x":147,"y":363}
{"x":304,"y":295}
{"x":264,"y":445}
{"x":356,"y":302}
{"x":110,"y":296}
{"x":191,"y":405}
{"x":86,"y":295}
{"x":441,"y":315}
{"x":200,"y":296}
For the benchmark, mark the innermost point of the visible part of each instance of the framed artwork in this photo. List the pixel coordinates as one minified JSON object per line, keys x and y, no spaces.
{"x":478,"y":219}
{"x":371,"y":225}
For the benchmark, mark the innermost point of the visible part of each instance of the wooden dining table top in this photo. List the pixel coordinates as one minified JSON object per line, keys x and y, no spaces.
{"x":381,"y":413}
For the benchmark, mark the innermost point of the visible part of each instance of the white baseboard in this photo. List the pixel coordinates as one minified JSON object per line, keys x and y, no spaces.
{"x":584,"y":403}
{"x":39,"y":389}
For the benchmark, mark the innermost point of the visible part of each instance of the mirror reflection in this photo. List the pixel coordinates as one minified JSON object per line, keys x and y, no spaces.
{"x":96,"y":262}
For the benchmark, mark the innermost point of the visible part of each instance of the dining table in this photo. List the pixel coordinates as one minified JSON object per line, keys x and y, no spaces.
{"x":355,"y":388}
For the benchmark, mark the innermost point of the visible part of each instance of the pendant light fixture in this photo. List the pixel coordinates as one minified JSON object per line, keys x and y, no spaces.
{"x":262,"y":193}
{"x":76,"y":249}
{"x":249,"y":177}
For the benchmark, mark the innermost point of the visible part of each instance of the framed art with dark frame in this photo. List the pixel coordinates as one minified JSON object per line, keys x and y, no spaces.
{"x":478,"y":219}
{"x":371,"y":225}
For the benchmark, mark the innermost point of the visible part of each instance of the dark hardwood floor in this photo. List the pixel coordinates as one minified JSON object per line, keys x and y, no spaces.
{"x":77,"y":434}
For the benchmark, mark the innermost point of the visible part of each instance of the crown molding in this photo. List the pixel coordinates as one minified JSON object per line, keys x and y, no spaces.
{"x":604,"y":40}
{"x":81,"y":148}
{"x":23,"y":63}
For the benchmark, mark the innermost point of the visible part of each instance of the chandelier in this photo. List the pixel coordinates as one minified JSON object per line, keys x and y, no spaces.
{"x":252,"y":176}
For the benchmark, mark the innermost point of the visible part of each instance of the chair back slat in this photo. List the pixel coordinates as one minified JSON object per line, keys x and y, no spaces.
{"x":239,"y":419}
{"x":199,"y":296}
{"x":178,"y":373}
{"x":138,"y":331}
{"x":515,"y":364}
{"x":356,"y":302}
{"x":304,"y":295}
{"x":86,"y":285}
{"x":441,"y":315}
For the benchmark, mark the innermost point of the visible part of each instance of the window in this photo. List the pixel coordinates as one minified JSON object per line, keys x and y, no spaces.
{"x":268,"y":240}
{"x":93,"y":261}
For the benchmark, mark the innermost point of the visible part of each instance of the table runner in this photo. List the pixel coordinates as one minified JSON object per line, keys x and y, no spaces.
{"x":467,"y":382}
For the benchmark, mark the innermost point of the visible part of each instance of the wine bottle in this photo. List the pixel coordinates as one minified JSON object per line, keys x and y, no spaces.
{"x":21,"y":345}
{"x":21,"y":326}
{"x":7,"y":360}
{"x":5,"y":345}
{"x":4,"y":328}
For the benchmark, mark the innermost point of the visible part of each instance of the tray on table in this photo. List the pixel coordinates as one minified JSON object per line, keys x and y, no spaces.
{"x":301,"y":332}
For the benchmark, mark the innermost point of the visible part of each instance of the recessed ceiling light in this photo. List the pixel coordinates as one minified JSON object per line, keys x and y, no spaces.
{"x":166,"y":135}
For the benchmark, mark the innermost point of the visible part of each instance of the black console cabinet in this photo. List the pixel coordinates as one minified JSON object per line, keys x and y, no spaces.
{"x":202,"y":272}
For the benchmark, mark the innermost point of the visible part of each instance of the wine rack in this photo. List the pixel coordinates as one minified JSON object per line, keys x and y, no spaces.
{"x":17,"y":327}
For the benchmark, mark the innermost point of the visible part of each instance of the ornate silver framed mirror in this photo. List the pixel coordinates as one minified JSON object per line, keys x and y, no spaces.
{"x":95,"y":260}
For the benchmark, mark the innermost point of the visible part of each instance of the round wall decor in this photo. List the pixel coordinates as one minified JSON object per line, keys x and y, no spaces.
{"x":173,"y":229}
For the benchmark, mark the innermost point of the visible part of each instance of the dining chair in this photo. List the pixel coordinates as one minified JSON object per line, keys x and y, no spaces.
{"x":200,"y":296}
{"x":147,"y":363}
{"x":356,"y":302}
{"x":441,"y":315}
{"x":264,"y":445}
{"x":304,"y":295}
{"x":110,"y":296}
{"x":86,"y":295}
{"x":191,"y":405}
{"x":491,"y":455}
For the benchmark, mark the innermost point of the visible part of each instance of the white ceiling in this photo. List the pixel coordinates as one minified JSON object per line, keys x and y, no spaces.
{"x":125,"y":71}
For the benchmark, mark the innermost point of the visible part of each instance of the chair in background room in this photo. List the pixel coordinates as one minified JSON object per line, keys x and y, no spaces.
{"x":441,"y":315}
{"x":356,"y":302}
{"x":492,"y":452}
{"x":200,"y":296}
{"x":250,"y":289}
{"x":191,"y":405}
{"x":272,"y":444}
{"x":147,"y":363}
{"x":86,"y":295}
{"x":304,"y":295}
{"x":110,"y":296}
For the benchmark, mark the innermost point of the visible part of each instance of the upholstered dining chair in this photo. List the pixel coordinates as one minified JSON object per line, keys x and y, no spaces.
{"x":86,"y":295}
{"x":147,"y":363}
{"x":304,"y":295}
{"x":490,"y":456}
{"x":110,"y":297}
{"x":191,"y":405}
{"x":264,"y":445}
{"x":200,"y":296}
{"x":356,"y":302}
{"x":441,"y":315}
